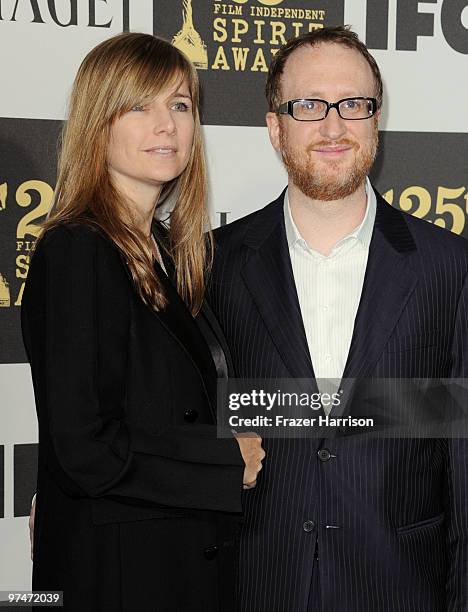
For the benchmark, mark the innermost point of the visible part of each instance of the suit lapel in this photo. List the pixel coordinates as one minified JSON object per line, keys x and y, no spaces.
{"x":216,"y":341}
{"x":269,"y":278}
{"x":388,"y":283}
{"x":178,"y":321}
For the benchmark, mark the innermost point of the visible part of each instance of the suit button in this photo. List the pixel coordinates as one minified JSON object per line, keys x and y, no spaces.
{"x":210,"y":552}
{"x":190,"y":415}
{"x":324,"y":454}
{"x":308,"y":526}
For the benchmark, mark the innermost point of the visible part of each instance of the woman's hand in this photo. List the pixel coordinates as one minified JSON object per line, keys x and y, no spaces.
{"x":252,"y":453}
{"x":32,"y":514}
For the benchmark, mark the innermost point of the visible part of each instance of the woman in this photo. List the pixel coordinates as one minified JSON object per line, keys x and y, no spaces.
{"x":137,"y":499}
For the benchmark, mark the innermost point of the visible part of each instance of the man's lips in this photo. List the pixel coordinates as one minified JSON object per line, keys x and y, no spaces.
{"x":332,"y":150}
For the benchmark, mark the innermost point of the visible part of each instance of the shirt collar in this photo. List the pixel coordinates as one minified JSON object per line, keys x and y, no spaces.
{"x":363,"y":232}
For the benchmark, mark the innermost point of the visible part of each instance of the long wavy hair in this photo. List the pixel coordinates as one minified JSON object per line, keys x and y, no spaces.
{"x":121,"y":72}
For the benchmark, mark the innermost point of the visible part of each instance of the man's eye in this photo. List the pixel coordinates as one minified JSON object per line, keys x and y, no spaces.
{"x":308,"y":105}
{"x":352,"y":104}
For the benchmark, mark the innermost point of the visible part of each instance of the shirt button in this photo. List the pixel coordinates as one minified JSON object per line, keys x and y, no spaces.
{"x":190,"y":415}
{"x":210,"y":552}
{"x":324,"y":454}
{"x":308,"y":526}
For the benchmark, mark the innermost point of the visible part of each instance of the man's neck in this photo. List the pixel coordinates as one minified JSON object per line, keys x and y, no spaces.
{"x":323,"y":224}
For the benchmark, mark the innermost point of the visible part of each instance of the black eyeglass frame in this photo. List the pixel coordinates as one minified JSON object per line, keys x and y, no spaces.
{"x":286,"y":108}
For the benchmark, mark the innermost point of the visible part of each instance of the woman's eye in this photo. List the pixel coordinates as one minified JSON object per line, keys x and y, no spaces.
{"x":138,"y":108}
{"x":180,"y":106}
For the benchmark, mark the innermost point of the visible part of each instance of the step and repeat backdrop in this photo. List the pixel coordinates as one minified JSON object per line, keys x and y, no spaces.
{"x":421,"y":47}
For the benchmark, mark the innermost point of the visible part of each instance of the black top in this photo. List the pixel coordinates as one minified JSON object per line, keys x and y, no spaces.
{"x":126,"y":410}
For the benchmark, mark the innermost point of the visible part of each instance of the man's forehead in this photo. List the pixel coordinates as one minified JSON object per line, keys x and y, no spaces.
{"x":324,"y":63}
{"x":324,"y":51}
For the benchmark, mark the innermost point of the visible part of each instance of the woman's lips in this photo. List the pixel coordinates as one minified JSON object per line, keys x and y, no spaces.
{"x":162,"y":151}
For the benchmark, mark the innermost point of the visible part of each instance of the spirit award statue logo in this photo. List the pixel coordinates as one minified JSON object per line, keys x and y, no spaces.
{"x":189,"y":41}
{"x":3,"y":196}
{"x":4,"y":293}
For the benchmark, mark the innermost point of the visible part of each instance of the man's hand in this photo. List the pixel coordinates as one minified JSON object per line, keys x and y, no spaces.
{"x":252,"y":453}
{"x":32,"y":514}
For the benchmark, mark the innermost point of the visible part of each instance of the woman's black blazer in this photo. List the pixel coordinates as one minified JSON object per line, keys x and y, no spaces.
{"x":137,"y":499}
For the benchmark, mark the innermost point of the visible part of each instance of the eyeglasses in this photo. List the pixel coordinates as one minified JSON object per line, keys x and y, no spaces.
{"x":313,"y":109}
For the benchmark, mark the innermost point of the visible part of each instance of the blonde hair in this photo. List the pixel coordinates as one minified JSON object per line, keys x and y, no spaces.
{"x":118,"y":74}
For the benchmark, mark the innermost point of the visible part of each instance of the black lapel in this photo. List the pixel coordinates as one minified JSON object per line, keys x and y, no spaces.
{"x":269,"y":278}
{"x":388,"y":284}
{"x":216,"y":341}
{"x":179,"y":322}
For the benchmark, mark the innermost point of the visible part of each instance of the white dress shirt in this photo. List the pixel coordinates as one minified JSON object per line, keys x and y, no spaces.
{"x":329,"y":289}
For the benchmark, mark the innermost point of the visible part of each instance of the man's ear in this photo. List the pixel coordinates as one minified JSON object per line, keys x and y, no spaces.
{"x":273,"y":124}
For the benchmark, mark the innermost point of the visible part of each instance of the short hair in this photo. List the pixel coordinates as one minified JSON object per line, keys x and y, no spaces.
{"x":340,"y":35}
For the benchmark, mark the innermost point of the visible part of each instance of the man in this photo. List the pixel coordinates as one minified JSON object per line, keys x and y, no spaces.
{"x":329,"y":281}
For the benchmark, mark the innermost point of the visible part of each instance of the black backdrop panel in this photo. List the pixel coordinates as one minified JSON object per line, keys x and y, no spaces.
{"x":232,"y":43}
{"x":27,"y":175}
{"x":425,"y":173}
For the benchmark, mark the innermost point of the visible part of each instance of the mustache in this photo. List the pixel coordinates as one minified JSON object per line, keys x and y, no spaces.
{"x":329,"y":143}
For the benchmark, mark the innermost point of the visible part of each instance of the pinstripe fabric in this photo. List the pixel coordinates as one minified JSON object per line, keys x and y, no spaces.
{"x":390,"y":515}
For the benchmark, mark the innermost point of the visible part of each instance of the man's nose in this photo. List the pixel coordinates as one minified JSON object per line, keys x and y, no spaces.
{"x":333,"y":126}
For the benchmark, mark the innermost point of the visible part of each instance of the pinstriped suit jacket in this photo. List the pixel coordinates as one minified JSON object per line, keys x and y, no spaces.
{"x":399,"y":508}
